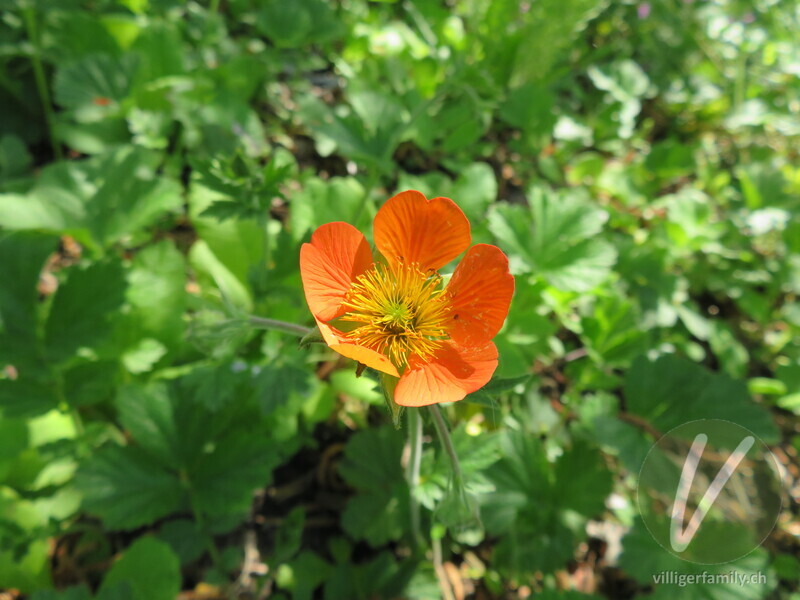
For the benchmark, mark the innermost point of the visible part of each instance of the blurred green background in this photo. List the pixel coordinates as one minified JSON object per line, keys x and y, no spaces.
{"x":162,"y":161}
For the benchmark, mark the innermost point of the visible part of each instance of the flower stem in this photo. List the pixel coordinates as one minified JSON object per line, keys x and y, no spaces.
{"x":29,"y":15}
{"x":447,"y":444}
{"x":276,"y":325}
{"x":412,"y":472}
{"x":438,"y":567}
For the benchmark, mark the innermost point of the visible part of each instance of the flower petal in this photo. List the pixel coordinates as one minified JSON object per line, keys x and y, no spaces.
{"x":412,"y":229}
{"x":480,"y":293}
{"x":339,"y":342}
{"x":452,"y":374}
{"x":337,"y":255}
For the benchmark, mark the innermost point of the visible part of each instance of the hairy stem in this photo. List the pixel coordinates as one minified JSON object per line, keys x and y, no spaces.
{"x":412,"y":471}
{"x":438,"y":566}
{"x":29,"y":15}
{"x":447,"y":444}
{"x":276,"y":325}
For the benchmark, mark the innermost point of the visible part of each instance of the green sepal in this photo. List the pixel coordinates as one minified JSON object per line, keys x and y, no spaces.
{"x":312,"y":337}
{"x":388,"y":384}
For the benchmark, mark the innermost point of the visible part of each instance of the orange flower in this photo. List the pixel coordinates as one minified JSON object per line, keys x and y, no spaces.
{"x":394,"y":315}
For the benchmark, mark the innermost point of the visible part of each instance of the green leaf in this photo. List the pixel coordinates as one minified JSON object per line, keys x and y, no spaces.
{"x":538,"y":506}
{"x":82,"y":308}
{"x":670,"y":391}
{"x":93,"y":81}
{"x":379,"y":512}
{"x":24,"y":562}
{"x":644,"y":559}
{"x":15,"y":160}
{"x":143,"y":356}
{"x":131,"y":195}
{"x":612,"y":331}
{"x":551,"y":27}
{"x":226,"y":478}
{"x":213,"y":460}
{"x":289,"y":537}
{"x":100,"y":200}
{"x":383,"y":576}
{"x":558,"y":240}
{"x":185,"y":538}
{"x":766,"y":386}
{"x":128,"y":488}
{"x":277,"y":385}
{"x":22,"y":257}
{"x":90,"y":382}
{"x":148,"y":415}
{"x":213,"y":386}
{"x":321,"y":202}
{"x":296,"y":24}
{"x":149,"y":568}
{"x":24,"y":398}
{"x":77,"y":592}
{"x":157,"y":292}
{"x":530,"y":107}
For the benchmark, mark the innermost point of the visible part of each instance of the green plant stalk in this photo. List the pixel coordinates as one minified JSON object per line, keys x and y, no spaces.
{"x":447,"y":444}
{"x":412,"y":472}
{"x":41,"y":81}
{"x":266,"y":249}
{"x":438,"y":566}
{"x":276,"y":325}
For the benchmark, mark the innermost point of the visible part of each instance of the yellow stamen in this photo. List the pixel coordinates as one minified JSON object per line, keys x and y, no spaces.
{"x":400,"y":311}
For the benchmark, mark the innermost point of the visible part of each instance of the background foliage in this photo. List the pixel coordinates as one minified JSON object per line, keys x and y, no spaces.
{"x":162,"y":161}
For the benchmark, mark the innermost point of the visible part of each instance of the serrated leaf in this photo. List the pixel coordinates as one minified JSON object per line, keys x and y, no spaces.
{"x":276,"y":385}
{"x":379,"y":512}
{"x":225,"y":479}
{"x":22,"y":257}
{"x":552,"y":24}
{"x":670,"y":391}
{"x":26,"y":398}
{"x":213,"y":386}
{"x":538,"y":506}
{"x":185,"y":538}
{"x":99,"y":200}
{"x":93,"y":81}
{"x":149,"y":568}
{"x":646,"y":560}
{"x":82,"y":307}
{"x":128,"y":488}
{"x":215,"y":460}
{"x":556,"y":240}
{"x":148,"y":415}
{"x":157,"y":291}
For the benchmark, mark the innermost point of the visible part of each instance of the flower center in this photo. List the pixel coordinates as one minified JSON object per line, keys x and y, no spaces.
{"x":398,"y":311}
